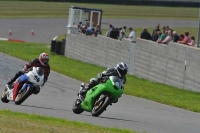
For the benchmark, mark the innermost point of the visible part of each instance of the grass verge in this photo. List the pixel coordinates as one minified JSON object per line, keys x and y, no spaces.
{"x":83,"y":71}
{"x":31,"y":123}
{"x":28,"y":9}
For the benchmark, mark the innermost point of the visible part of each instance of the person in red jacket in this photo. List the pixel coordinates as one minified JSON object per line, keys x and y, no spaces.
{"x":42,"y":61}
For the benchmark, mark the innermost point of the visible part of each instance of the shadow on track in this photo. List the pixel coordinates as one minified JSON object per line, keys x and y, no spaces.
{"x":45,"y":108}
{"x":100,"y":117}
{"x":111,"y":118}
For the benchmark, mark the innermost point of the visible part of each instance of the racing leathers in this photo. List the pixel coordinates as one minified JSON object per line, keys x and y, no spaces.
{"x":102,"y":77}
{"x":34,"y":63}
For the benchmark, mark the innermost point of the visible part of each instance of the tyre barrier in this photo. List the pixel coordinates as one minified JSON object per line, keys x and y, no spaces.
{"x":53,"y":45}
{"x":58,"y":47}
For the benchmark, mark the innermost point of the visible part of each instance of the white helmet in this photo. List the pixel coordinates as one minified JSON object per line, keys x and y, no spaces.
{"x":44,"y":59}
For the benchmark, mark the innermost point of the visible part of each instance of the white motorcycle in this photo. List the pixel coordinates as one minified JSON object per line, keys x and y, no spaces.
{"x":24,"y":86}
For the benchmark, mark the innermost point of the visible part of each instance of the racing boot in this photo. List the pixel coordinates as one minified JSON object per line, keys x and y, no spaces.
{"x":7,"y":86}
{"x":93,"y":82}
{"x":84,"y":91}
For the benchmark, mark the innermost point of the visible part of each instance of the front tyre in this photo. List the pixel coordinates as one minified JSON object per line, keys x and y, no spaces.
{"x":23,"y":95}
{"x":100,"y":106}
{"x":77,"y":107}
{"x":4,"y":97}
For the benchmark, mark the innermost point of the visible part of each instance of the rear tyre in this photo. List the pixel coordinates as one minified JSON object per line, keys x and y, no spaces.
{"x":4,"y":97}
{"x":23,"y":95}
{"x":102,"y":105}
{"x":77,"y":107}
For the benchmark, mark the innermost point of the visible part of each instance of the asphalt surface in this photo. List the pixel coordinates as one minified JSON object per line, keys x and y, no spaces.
{"x":46,"y":29}
{"x":59,"y":93}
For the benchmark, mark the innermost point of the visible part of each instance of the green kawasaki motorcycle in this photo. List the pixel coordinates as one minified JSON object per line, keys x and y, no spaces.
{"x":99,"y":97}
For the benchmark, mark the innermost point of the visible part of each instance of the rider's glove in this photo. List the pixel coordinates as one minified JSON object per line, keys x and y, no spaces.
{"x":25,"y":69}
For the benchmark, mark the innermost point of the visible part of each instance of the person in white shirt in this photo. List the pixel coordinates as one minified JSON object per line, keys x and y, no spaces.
{"x":131,"y":35}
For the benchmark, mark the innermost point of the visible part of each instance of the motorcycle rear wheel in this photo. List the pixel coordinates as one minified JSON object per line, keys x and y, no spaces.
{"x":77,"y":107}
{"x":4,"y":97}
{"x":102,"y":107}
{"x":23,"y":96}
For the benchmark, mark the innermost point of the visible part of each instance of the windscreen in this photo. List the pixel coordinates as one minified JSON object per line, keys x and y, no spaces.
{"x":117,"y":81}
{"x":40,"y":71}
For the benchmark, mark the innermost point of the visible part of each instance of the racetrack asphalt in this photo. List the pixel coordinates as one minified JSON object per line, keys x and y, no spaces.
{"x":46,"y":29}
{"x":59,"y":93}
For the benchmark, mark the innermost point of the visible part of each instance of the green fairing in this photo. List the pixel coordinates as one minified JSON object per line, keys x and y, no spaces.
{"x":107,"y":87}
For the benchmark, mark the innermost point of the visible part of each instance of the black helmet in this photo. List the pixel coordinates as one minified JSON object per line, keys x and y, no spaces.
{"x":122,"y":69}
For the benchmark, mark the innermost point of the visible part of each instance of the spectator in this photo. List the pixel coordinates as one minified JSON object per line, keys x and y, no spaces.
{"x":181,"y":37}
{"x":154,"y":34}
{"x":145,"y":34}
{"x":168,"y":38}
{"x":161,"y":36}
{"x":167,"y":29}
{"x":81,"y":24}
{"x":192,"y":42}
{"x":164,"y":28}
{"x":84,"y":29}
{"x":131,"y":35}
{"x":89,"y":31}
{"x":109,"y":31}
{"x":81,"y":31}
{"x":114,"y":33}
{"x":117,"y":29}
{"x":186,"y":39}
{"x":124,"y":30}
{"x":121,"y":36}
{"x":97,"y":31}
{"x":120,"y":29}
{"x":175,"y":37}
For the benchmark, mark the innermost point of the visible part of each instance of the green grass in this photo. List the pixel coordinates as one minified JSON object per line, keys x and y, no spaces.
{"x":83,"y":71}
{"x":14,"y":122}
{"x":59,"y":38}
{"x":25,"y":9}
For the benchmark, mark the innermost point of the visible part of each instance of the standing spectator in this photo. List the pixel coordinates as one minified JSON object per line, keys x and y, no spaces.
{"x":145,"y":34}
{"x":192,"y":42}
{"x":167,"y":29}
{"x":161,"y":36}
{"x":97,"y":31}
{"x":81,"y":24}
{"x":109,"y":31}
{"x":168,"y":38}
{"x":154,"y":34}
{"x":124,"y":30}
{"x":175,"y":37}
{"x":131,"y":35}
{"x":117,"y":29}
{"x":121,"y":36}
{"x":164,"y":28}
{"x":120,"y":29}
{"x":114,"y":33}
{"x":186,"y":39}
{"x":181,"y":37}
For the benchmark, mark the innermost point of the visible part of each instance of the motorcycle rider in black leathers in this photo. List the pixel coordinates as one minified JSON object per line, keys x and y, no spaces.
{"x":120,"y":70}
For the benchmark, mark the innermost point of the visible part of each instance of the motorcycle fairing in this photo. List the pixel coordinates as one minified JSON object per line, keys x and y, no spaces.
{"x":22,"y":79}
{"x":88,"y":103}
{"x":107,"y":87}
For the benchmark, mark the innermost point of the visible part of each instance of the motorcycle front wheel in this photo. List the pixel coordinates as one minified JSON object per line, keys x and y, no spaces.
{"x":4,"y":97}
{"x":77,"y":107}
{"x":23,"y":95}
{"x":100,"y":106}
